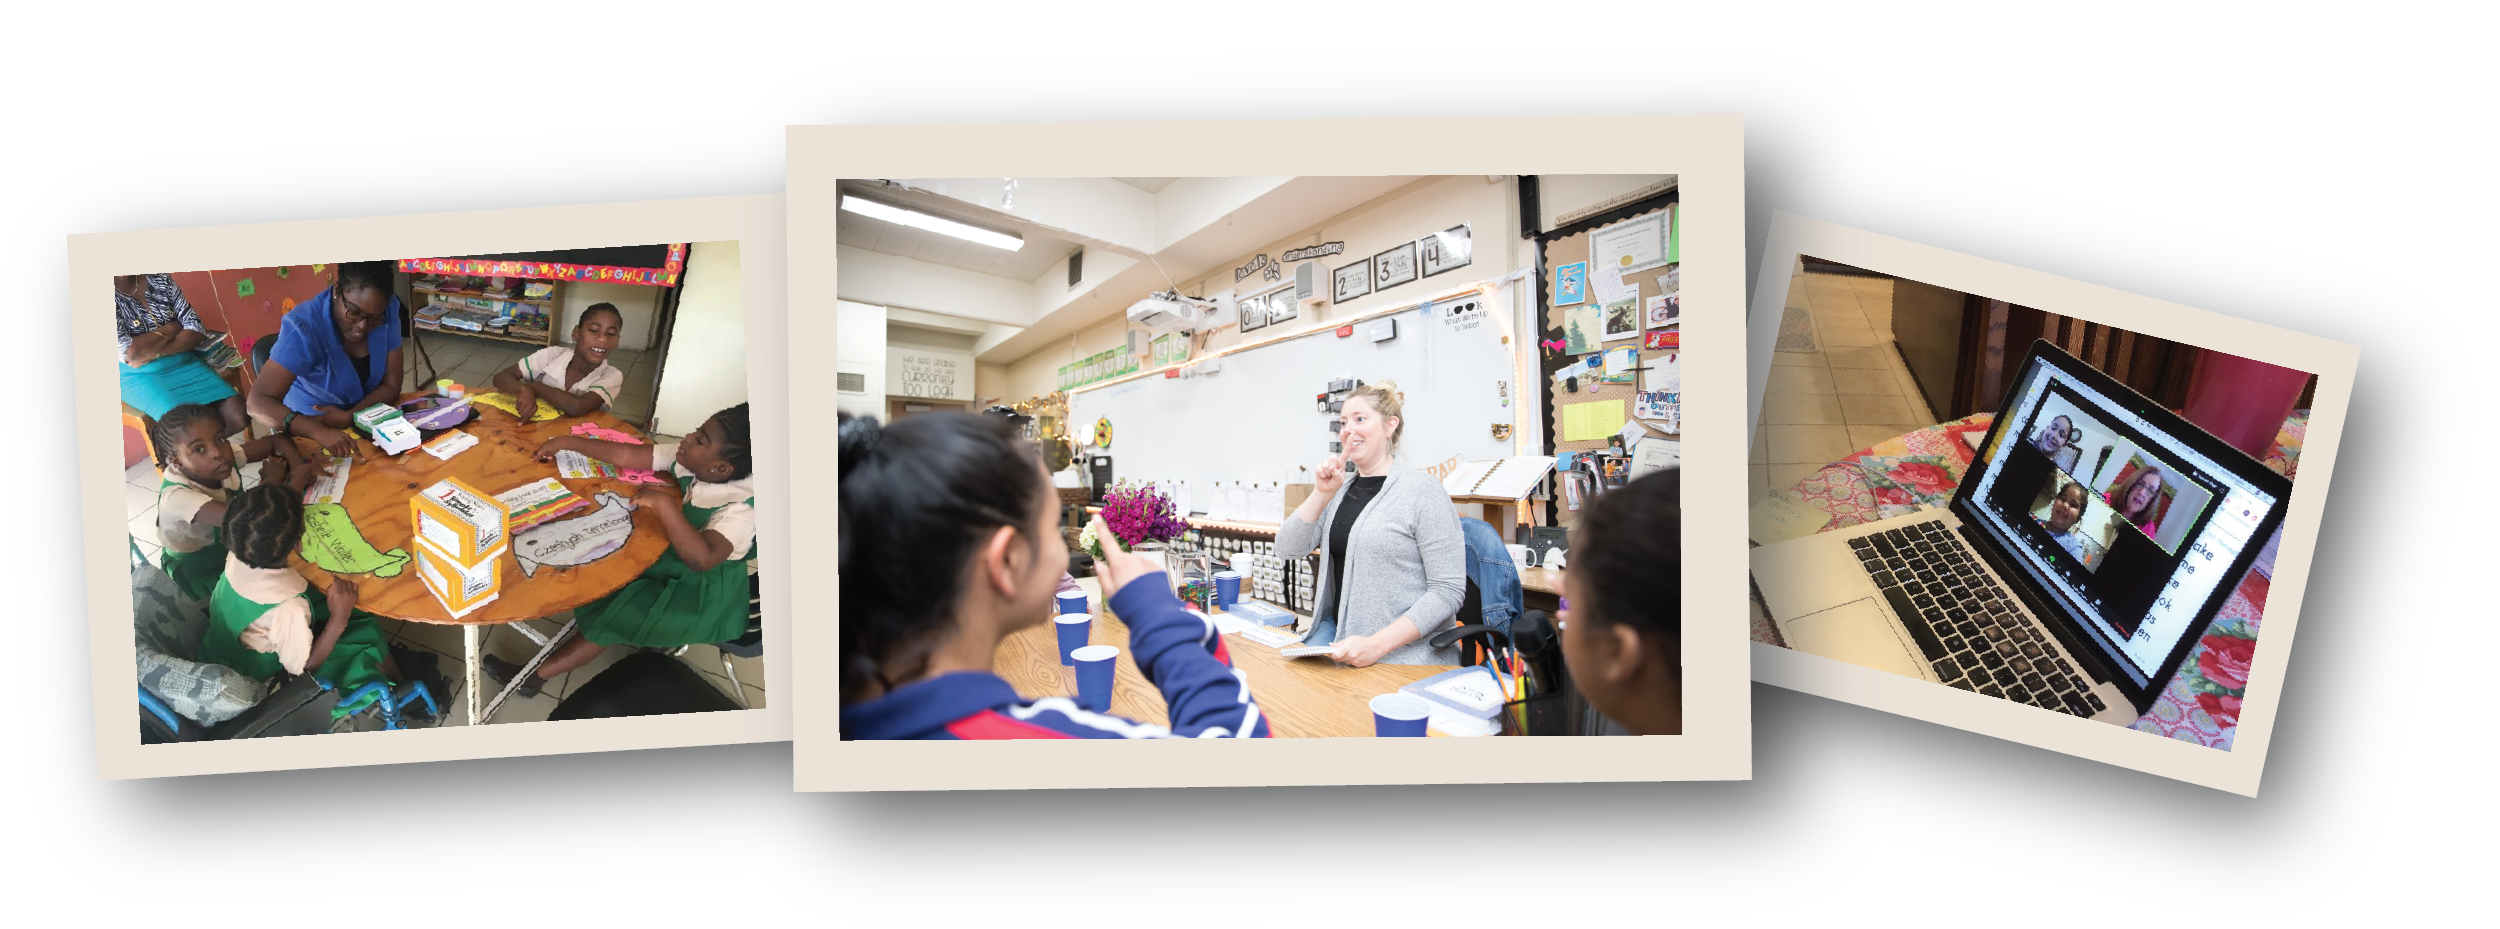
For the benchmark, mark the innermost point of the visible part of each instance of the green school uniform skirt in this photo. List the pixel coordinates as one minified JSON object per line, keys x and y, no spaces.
{"x":196,"y":573}
{"x":672,"y":604}
{"x":354,"y":662}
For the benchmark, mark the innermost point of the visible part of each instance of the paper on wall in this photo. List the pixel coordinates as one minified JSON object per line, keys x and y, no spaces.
{"x":1632,"y":433}
{"x":1655,"y":454}
{"x":1592,"y":421}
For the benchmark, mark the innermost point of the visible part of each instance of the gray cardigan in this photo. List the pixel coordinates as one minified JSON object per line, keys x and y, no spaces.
{"x":1407,"y":555}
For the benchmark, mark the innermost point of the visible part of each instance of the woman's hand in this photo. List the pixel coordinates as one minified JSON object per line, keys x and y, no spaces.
{"x":1360,"y":651}
{"x":331,"y":440}
{"x":1118,"y":566}
{"x":1331,"y":475}
{"x":333,"y":417}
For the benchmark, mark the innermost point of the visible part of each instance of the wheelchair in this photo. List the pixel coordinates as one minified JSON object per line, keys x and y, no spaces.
{"x":182,"y":699}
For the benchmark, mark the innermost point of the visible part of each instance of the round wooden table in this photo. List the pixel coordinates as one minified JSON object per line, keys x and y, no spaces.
{"x":378,"y":488}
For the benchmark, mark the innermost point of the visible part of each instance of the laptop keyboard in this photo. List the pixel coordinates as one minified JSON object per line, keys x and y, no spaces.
{"x":1975,"y":635}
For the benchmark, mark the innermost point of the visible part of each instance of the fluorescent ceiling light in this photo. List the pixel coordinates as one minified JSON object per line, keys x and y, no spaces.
{"x":941,"y":226}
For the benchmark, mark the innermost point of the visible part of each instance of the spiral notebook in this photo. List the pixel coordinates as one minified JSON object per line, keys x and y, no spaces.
{"x":1510,"y":478}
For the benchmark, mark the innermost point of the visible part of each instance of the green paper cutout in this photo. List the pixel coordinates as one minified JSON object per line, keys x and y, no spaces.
{"x":282,"y":272}
{"x":244,"y":288}
{"x":332,"y":542}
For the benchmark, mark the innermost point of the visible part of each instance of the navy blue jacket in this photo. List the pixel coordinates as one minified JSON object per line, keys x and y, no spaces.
{"x":1178,"y":650}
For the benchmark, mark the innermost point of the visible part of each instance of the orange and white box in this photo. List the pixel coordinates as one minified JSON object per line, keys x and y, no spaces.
{"x":460,"y":521}
{"x":461,"y":587}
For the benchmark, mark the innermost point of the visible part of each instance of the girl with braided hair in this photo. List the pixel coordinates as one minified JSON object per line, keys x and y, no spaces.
{"x":697,"y":593}
{"x":262,"y":614}
{"x":197,"y":475}
{"x":949,"y":544}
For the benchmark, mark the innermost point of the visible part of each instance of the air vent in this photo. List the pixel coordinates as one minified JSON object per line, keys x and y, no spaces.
{"x":850,"y":382}
{"x":1076,"y":267}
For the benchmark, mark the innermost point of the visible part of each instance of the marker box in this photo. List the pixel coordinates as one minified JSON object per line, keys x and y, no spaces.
{"x":463,"y":523}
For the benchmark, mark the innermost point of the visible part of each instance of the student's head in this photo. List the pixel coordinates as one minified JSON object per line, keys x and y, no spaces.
{"x":1374,"y":418}
{"x":132,"y":285}
{"x":361,"y":299}
{"x":596,"y":332}
{"x":2053,"y":437}
{"x":2143,"y":490}
{"x":949,"y":529}
{"x":191,"y":439}
{"x":721,"y":450}
{"x":264,"y":524}
{"x":1623,"y":633}
{"x":2066,"y":508}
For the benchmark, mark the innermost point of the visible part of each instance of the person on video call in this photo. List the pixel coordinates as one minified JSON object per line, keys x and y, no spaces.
{"x":2140,"y":501}
{"x":2057,"y":440}
{"x":2065,"y":510}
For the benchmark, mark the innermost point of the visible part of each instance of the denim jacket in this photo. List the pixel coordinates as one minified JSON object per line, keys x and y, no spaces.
{"x":1489,"y":565}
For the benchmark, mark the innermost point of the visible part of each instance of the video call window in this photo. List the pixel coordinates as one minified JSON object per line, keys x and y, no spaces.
{"x":2076,"y":519}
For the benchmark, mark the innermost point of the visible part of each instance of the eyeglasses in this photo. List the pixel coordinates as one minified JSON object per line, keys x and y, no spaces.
{"x":353,"y":312}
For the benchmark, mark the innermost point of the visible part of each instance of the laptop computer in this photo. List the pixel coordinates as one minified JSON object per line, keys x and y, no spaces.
{"x":2091,"y":542}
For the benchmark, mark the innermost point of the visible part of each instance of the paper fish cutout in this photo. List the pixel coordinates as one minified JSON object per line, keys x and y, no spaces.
{"x":567,"y":543}
{"x":332,"y":542}
{"x":507,"y":403}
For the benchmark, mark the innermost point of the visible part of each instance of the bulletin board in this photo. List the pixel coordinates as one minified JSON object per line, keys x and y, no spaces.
{"x":1571,"y":245}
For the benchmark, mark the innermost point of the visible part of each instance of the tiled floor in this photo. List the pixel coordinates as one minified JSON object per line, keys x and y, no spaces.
{"x":1819,"y":407}
{"x":474,"y":361}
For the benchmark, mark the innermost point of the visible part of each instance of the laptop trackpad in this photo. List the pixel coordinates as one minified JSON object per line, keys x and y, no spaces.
{"x":1857,"y":632}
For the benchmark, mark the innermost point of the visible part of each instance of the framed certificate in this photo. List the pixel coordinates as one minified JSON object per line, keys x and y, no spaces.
{"x":1350,"y":280}
{"x":1448,"y":250}
{"x":1281,"y":306}
{"x":1253,"y":313}
{"x":1393,"y":267}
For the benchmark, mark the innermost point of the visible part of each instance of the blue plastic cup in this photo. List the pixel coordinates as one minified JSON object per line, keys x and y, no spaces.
{"x":1073,"y":602}
{"x":1075,"y":629}
{"x":1399,"y":716}
{"x":1094,"y":664}
{"x":1227,"y":588}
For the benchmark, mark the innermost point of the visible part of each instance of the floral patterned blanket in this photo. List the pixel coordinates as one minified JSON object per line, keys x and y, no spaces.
{"x":1923,"y":469}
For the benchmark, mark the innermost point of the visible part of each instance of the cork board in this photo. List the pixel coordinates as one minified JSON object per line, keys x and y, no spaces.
{"x":1567,"y":250}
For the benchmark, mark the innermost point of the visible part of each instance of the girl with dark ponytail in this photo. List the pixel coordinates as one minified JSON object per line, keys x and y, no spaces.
{"x":950,"y":543}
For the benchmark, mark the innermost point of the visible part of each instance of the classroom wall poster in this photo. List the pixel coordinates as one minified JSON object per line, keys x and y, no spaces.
{"x":1571,"y":284}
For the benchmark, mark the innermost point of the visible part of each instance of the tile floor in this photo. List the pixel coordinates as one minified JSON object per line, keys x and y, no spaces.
{"x":1819,"y":407}
{"x":474,"y":361}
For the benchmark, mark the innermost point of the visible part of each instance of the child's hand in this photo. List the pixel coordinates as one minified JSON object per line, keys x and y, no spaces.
{"x":1118,"y":566}
{"x":273,"y":470}
{"x":342,"y":598}
{"x":302,"y":478}
{"x":654,"y":497}
{"x":525,"y":400}
{"x":547,"y":450}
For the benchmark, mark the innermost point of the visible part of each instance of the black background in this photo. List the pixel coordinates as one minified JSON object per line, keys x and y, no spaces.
{"x":1583,"y":850}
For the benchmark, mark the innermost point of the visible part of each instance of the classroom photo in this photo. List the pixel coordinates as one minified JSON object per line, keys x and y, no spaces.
{"x":1349,"y":457}
{"x":439,"y":491}
{"x":2032,"y":507}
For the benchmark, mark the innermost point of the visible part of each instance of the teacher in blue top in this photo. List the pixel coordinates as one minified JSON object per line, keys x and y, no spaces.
{"x":336,"y":353}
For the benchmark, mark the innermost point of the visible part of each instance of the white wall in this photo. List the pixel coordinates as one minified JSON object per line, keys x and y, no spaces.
{"x":638,"y":304}
{"x":859,"y":345}
{"x":706,"y":367}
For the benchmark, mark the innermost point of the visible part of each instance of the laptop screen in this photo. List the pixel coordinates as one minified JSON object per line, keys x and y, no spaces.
{"x":2107,"y":501}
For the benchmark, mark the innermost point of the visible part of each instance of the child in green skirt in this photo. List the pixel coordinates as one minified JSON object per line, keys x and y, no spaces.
{"x":261,"y":614}
{"x":697,"y":592}
{"x":197,"y":476}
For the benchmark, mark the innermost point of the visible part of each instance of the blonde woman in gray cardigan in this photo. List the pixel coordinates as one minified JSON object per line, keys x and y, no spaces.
{"x":1392,"y":562}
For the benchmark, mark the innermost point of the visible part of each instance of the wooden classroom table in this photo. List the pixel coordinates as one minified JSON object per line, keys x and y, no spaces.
{"x":1541,"y":589}
{"x":378,"y":488}
{"x":1300,"y":697}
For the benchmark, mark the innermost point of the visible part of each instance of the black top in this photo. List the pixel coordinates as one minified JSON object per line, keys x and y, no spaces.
{"x":1339,"y":528}
{"x":364,"y":365}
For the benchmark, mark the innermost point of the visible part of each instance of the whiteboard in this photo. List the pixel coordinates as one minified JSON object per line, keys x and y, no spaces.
{"x":1256,"y":418}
